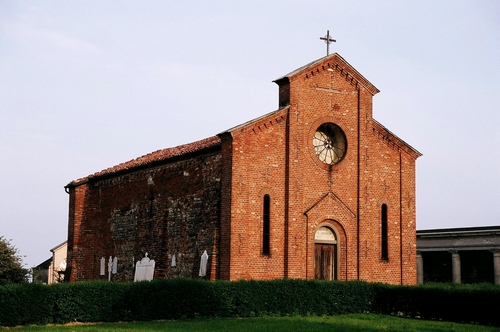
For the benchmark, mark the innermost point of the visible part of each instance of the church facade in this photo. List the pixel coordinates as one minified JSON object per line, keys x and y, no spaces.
{"x":317,"y":189}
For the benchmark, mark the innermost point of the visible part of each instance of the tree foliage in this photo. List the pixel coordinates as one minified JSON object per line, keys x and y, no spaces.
{"x":11,"y":264}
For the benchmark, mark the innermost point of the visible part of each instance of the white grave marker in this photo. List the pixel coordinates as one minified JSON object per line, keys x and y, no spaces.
{"x":144,"y":269}
{"x":203,"y":264}
{"x":115,"y":265}
{"x":174,"y":263}
{"x":102,"y":266}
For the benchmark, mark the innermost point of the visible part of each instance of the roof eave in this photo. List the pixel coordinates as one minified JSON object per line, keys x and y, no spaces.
{"x":134,"y":165}
{"x":416,"y":154}
{"x":249,"y":123}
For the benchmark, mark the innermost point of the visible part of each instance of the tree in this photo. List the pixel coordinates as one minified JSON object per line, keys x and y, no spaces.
{"x":11,"y":264}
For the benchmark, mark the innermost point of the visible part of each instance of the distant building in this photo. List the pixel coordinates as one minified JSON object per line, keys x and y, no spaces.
{"x":53,"y":269}
{"x":41,"y":272}
{"x":462,"y":255}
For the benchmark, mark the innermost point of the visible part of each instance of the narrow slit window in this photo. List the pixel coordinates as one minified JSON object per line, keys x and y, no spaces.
{"x":385,"y":249}
{"x":266,"y":250}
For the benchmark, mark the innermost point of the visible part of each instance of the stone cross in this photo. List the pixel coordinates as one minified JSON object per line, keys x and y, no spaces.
{"x":328,"y":40}
{"x":266,"y":175}
{"x":385,"y":186}
{"x":330,"y":88}
{"x":297,"y":112}
{"x":110,"y":266}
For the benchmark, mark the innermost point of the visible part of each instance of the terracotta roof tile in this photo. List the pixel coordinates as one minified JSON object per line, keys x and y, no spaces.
{"x":153,"y":157}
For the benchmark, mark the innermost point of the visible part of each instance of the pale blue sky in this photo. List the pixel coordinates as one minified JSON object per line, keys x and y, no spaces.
{"x":85,"y":85}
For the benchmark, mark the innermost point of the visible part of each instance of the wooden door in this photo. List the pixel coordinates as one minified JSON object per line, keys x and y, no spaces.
{"x":324,"y":261}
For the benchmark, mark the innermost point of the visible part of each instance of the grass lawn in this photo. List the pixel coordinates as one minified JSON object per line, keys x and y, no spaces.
{"x":359,"y":322}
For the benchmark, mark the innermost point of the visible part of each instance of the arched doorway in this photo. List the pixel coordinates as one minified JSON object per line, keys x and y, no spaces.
{"x":325,"y":254}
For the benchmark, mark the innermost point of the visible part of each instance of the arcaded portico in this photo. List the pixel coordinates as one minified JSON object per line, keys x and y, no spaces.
{"x":461,"y":255}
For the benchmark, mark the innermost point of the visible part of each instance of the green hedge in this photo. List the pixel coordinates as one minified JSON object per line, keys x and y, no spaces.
{"x":478,"y":303}
{"x":187,"y":298}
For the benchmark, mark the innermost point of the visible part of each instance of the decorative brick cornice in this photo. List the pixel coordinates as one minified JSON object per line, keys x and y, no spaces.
{"x":392,"y":140}
{"x":332,"y":62}
{"x":259,"y":124}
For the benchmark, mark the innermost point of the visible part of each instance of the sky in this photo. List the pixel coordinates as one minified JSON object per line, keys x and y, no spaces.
{"x":85,"y":85}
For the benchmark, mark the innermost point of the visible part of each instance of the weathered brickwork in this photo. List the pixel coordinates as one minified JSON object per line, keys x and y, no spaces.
{"x":164,"y":210}
{"x":274,"y":156}
{"x":209,"y":195}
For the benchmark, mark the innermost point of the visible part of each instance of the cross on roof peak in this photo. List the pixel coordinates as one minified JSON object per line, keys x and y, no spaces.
{"x":328,"y":40}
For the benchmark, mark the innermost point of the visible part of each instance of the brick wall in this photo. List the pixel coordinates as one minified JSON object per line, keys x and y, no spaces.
{"x":225,"y":215}
{"x":164,"y":210}
{"x":258,"y":169}
{"x":274,"y":155}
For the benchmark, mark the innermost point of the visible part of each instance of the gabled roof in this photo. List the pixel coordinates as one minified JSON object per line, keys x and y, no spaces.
{"x":44,"y":265}
{"x":59,"y":246}
{"x":277,"y":118}
{"x":152,"y":158}
{"x":335,"y":62}
{"x":392,"y":140}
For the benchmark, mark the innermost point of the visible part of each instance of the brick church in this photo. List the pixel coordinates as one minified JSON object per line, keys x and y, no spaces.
{"x":316,"y":189}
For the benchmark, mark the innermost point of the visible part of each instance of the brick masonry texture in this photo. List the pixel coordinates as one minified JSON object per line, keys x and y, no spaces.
{"x":164,"y":210}
{"x":208,"y":195}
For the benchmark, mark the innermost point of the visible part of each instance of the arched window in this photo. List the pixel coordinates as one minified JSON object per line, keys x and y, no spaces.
{"x":266,"y":250}
{"x":384,"y":244}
